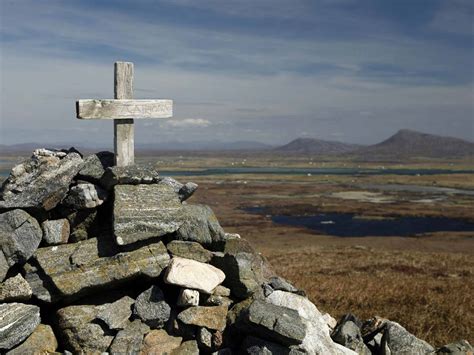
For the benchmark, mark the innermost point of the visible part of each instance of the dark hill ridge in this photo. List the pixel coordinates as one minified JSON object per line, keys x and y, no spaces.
{"x":316,"y":146}
{"x":409,"y":143}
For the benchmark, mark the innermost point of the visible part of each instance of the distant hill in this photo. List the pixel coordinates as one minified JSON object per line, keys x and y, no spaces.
{"x":316,"y":146}
{"x":409,"y":143}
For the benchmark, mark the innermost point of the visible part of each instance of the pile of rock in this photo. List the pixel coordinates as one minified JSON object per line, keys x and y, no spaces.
{"x":96,"y":258}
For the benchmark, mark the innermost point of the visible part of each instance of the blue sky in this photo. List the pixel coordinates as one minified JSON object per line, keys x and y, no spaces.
{"x":268,"y":71}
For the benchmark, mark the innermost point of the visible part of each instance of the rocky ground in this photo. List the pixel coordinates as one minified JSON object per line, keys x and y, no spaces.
{"x":97,"y":259}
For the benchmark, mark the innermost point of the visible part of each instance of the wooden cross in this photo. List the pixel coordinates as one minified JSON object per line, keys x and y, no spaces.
{"x":123,"y":109}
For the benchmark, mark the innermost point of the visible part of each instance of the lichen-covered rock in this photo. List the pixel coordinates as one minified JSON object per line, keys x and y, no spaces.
{"x":72,"y":270}
{"x":193,"y":274}
{"x":56,"y":231}
{"x":40,"y":182}
{"x":84,"y":224}
{"x":152,"y":308}
{"x":275,"y":323}
{"x":95,"y":165}
{"x":209,"y":317}
{"x":397,"y":340}
{"x":85,"y":195}
{"x":158,"y":342}
{"x":15,"y":289}
{"x":133,"y":222}
{"x":200,"y":225}
{"x":189,"y":347}
{"x":130,"y":339}
{"x":78,"y":331}
{"x":116,"y":314}
{"x":17,"y":322}
{"x":41,"y":341}
{"x":20,"y":236}
{"x":189,"y":250}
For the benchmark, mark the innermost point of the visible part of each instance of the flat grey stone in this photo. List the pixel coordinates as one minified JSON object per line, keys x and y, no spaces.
{"x":189,"y":250}
{"x":187,"y":190}
{"x":116,"y":314}
{"x":72,"y":270}
{"x":129,"y":175}
{"x":56,"y":231}
{"x":17,"y":322}
{"x":275,"y":323}
{"x":15,"y":289}
{"x":85,"y":195}
{"x":20,"y":235}
{"x":130,"y":339}
{"x":152,"y":308}
{"x":145,"y":211}
{"x":40,"y":182}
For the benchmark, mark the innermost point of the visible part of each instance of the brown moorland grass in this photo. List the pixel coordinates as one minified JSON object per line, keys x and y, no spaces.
{"x":428,"y":293}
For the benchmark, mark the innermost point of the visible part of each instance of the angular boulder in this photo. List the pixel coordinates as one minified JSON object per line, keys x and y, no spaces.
{"x":20,"y":236}
{"x":209,"y":317}
{"x":397,"y":340}
{"x":200,"y":225}
{"x":56,"y":231}
{"x":348,"y":334}
{"x":17,"y":322}
{"x":189,"y":347}
{"x":130,"y":339}
{"x":15,"y":289}
{"x":73,"y":270}
{"x":41,"y":341}
{"x":78,"y":331}
{"x":317,"y":339}
{"x":145,"y":211}
{"x":40,"y":182}
{"x":193,"y":274}
{"x":152,"y":308}
{"x":275,"y":323}
{"x":95,"y":165}
{"x":116,"y":314}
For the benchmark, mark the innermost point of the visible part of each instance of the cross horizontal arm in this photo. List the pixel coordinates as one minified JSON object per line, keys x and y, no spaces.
{"x":123,"y":109}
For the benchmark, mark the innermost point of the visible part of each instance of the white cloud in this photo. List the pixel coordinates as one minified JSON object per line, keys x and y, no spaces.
{"x":189,"y":122}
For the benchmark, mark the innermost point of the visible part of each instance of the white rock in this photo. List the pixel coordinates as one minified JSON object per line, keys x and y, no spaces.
{"x":193,"y":274}
{"x":330,"y":321}
{"x":56,"y":231}
{"x":317,"y":339}
{"x":188,"y":297}
{"x":85,"y":195}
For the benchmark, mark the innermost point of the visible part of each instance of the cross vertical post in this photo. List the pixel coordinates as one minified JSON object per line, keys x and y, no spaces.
{"x":124,"y":128}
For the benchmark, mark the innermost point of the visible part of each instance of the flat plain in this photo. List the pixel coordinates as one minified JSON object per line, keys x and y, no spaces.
{"x":423,"y":281}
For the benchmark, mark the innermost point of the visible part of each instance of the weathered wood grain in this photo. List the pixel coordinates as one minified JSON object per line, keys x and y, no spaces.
{"x":124,"y":130}
{"x":123,"y":109}
{"x":123,"y":80}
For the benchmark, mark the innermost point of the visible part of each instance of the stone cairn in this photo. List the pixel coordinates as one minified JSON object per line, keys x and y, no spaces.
{"x":96,"y":258}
